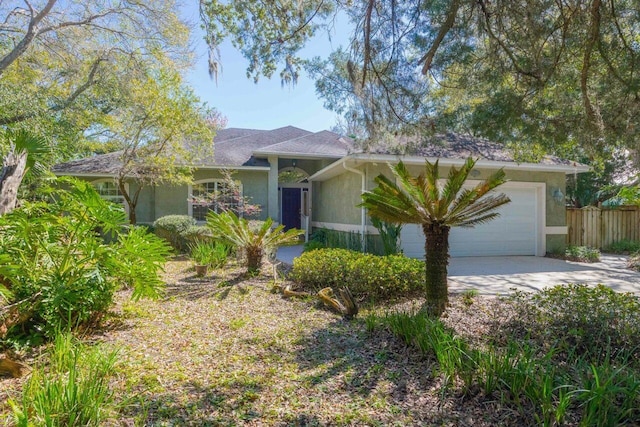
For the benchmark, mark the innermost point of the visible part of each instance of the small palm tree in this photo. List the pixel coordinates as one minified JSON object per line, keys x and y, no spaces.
{"x":230,"y":230}
{"x":420,"y":200}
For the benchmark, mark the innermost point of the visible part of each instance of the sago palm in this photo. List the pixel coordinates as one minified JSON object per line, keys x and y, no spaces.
{"x":437,"y":208}
{"x":230,"y":230}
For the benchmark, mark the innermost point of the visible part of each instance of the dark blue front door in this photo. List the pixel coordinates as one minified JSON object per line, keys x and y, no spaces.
{"x":291,"y":208}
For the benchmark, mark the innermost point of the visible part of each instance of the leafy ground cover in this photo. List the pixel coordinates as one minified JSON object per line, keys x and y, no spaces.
{"x":226,"y":350}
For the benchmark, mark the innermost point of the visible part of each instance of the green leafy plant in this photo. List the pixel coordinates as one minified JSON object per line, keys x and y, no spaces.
{"x":174,"y":228}
{"x":63,"y":273}
{"x":582,"y":254}
{"x":405,"y":199}
{"x":72,"y":389}
{"x":236,"y":232}
{"x":390,"y":235}
{"x":211,"y":255}
{"x":581,"y":321}
{"x":138,"y":258}
{"x":624,"y":246}
{"x":366,"y":275}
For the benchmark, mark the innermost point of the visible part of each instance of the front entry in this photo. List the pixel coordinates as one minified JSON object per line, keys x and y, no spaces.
{"x":291,"y":198}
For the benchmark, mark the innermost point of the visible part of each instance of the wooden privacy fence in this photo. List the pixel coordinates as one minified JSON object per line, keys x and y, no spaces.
{"x":599,"y":228}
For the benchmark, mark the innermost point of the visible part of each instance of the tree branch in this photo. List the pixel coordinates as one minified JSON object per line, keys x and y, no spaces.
{"x":594,"y":30}
{"x":31,"y":33}
{"x":61,"y":106}
{"x":444,"y":29}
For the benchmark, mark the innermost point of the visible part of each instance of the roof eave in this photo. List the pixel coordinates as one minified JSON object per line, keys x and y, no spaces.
{"x":296,"y":155}
{"x":254,"y":168}
{"x":329,"y":172}
{"x":85,"y":174}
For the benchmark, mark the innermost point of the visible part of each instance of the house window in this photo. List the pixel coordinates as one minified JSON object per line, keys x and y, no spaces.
{"x":108,"y":190}
{"x":214,"y":196}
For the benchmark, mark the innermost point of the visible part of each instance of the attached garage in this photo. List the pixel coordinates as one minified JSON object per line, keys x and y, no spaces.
{"x":533,"y":224}
{"x":517,"y":231}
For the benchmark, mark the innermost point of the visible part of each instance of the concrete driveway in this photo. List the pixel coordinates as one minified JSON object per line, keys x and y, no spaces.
{"x":498,"y":275}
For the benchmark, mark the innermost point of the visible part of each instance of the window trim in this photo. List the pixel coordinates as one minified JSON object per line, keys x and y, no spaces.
{"x":205,"y":181}
{"x":114,"y":182}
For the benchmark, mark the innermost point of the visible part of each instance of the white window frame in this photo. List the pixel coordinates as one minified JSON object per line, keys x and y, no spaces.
{"x":115,"y":184}
{"x":206,"y":181}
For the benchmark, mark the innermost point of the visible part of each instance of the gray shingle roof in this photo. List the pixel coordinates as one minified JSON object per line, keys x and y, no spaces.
{"x":107,"y":164}
{"x":233,"y":147}
{"x":459,"y":146}
{"x":238,"y":151}
{"x":324,"y":144}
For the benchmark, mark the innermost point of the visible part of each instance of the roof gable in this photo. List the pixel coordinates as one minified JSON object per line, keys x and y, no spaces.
{"x":320,"y":144}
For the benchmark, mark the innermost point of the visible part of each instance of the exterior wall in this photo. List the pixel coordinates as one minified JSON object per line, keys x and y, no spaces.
{"x":145,"y":211}
{"x":155,"y":202}
{"x":173,"y":200}
{"x":170,"y":200}
{"x":335,"y":200}
{"x":145,"y":206}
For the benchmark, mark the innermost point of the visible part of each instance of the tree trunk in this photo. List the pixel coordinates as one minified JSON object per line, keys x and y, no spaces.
{"x":13,"y":170}
{"x":132,"y":215}
{"x":436,"y":261}
{"x":254,"y":259}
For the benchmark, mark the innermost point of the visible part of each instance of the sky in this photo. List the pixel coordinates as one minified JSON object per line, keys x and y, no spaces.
{"x":262,"y":105}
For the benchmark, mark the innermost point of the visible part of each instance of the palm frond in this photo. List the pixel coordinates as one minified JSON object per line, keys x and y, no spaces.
{"x":455,"y":181}
{"x":470,"y":196}
{"x":389,"y":202}
{"x":488,"y":204}
{"x":419,"y":200}
{"x":37,"y":148}
{"x":429,"y":185}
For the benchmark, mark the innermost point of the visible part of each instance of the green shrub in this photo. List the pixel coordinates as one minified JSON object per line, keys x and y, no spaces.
{"x":196,"y":234}
{"x":582,"y":254}
{"x":173,"y":228}
{"x":253,"y":239}
{"x":623,"y":247}
{"x":212,"y":255}
{"x":72,"y":390}
{"x":580,"y":321}
{"x":522,"y":378}
{"x":63,"y":274}
{"x":366,"y":275}
{"x":313,"y":245}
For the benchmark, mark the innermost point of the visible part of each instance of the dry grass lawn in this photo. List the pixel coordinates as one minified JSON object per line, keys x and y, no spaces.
{"x":226,"y":350}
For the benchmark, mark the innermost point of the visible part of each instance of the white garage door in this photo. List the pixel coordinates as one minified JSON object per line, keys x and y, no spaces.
{"x":514,"y":232}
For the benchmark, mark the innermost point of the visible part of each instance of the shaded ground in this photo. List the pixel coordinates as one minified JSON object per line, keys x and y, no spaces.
{"x":225,"y":350}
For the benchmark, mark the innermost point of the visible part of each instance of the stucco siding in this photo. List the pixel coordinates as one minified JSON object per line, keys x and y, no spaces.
{"x":145,"y":210}
{"x":335,"y":200}
{"x":171,"y":200}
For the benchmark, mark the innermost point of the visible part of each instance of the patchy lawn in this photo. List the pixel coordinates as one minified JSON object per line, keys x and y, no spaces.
{"x":226,"y":350}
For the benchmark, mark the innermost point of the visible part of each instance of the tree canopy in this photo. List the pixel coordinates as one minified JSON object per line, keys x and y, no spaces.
{"x":559,"y":76}
{"x":63,"y":62}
